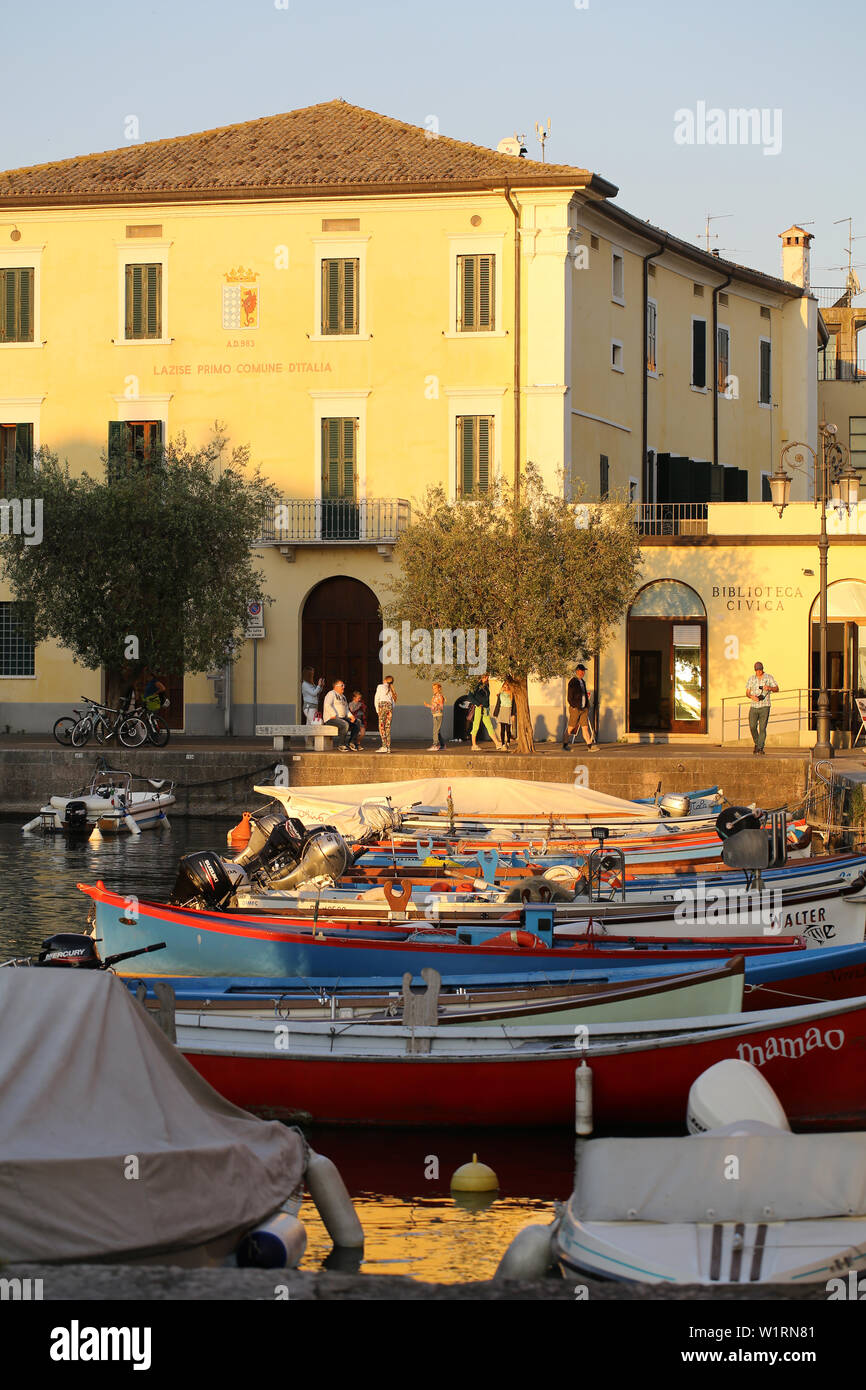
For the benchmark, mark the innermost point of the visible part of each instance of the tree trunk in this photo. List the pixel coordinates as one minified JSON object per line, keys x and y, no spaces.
{"x":525,"y":742}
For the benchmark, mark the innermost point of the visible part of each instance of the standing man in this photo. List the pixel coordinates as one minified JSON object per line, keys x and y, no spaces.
{"x":759,"y":687}
{"x":336,"y":711}
{"x":578,"y":709}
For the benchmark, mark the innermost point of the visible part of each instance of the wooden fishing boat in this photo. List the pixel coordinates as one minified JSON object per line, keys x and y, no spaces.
{"x":356,"y":1073}
{"x":219,"y":943}
{"x":694,"y":994}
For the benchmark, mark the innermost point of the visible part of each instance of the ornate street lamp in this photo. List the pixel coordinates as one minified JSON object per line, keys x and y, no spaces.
{"x":838,"y":483}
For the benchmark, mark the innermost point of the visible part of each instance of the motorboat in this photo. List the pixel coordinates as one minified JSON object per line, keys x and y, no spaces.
{"x":740,"y":1201}
{"x":110,"y":803}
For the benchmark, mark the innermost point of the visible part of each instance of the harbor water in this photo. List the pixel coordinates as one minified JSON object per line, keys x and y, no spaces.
{"x":399,"y":1180}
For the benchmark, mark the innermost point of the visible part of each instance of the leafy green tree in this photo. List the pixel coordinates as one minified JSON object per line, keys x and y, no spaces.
{"x":157,"y":550}
{"x":545,"y":578}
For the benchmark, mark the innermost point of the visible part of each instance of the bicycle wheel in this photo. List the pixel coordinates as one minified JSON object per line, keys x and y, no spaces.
{"x":157,"y":731}
{"x":132,"y":733}
{"x":81,"y":733}
{"x":103,"y":730}
{"x":63,"y":730}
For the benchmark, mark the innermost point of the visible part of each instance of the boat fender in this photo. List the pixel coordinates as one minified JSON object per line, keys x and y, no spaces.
{"x":538,"y":889}
{"x":583,"y":1099}
{"x":31,"y":824}
{"x":95,"y":835}
{"x":278,"y":1243}
{"x":514,"y":938}
{"x":333,"y":1202}
{"x":132,"y":826}
{"x":529,"y":1256}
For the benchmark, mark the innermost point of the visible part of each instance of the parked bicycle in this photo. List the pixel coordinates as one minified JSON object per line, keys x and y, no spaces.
{"x":157,"y":731}
{"x":104,"y":723}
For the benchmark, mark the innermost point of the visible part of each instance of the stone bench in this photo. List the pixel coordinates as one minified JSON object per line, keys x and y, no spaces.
{"x":319,"y":733}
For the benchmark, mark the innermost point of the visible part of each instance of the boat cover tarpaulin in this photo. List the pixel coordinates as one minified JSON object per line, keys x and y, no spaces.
{"x":782,"y":1177}
{"x":342,"y":805}
{"x":91,"y":1093}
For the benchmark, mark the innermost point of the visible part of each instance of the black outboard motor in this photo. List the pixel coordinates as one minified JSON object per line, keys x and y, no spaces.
{"x":75,"y":817}
{"x":70,"y":950}
{"x":204,"y":880}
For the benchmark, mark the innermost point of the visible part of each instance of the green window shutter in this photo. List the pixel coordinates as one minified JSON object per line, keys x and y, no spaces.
{"x":348,"y":459}
{"x":16,"y":305}
{"x":116,"y":447}
{"x":133,"y":301}
{"x":153,"y":328}
{"x":330,"y":459}
{"x":23,"y":450}
{"x":486,"y":272}
{"x":25,"y":305}
{"x":466,"y":454}
{"x":330,"y":296}
{"x":467,"y":294}
{"x":485,"y":442}
{"x":350,"y":296}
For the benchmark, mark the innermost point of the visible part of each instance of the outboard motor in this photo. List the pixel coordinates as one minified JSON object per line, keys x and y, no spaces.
{"x":324,"y":855}
{"x":71,"y":951}
{"x":673,"y":804}
{"x":75,"y":817}
{"x":204,"y":880}
{"x":261,"y":826}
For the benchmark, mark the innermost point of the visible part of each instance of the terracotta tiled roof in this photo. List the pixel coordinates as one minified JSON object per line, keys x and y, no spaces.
{"x":332,"y":146}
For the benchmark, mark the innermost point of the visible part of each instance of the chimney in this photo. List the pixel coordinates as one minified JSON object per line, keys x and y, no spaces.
{"x":796,"y":254}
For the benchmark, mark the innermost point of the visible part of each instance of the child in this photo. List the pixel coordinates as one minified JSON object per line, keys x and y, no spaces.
{"x":359,"y":709}
{"x":436,"y":706}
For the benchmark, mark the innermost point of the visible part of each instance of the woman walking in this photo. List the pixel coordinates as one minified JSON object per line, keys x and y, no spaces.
{"x":481,"y":701}
{"x":504,"y":714}
{"x":385,"y":700}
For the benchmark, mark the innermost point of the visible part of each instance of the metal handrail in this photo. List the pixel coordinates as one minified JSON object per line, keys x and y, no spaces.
{"x":804,"y":714}
{"x":671,"y":518}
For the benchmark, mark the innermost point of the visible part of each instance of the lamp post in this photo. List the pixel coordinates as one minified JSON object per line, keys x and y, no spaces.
{"x":837,"y":482}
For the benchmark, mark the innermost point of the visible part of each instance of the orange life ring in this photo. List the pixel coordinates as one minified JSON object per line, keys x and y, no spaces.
{"x":515,"y":938}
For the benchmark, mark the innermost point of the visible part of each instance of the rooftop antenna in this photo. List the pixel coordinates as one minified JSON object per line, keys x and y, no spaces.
{"x":706,"y":233}
{"x":852,"y":282}
{"x":542,"y":136}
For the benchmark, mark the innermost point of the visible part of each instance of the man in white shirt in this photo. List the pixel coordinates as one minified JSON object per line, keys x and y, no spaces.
{"x":336,"y":711}
{"x":759,"y":687}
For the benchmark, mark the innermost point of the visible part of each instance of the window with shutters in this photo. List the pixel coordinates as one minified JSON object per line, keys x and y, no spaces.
{"x":16,"y":304}
{"x":340,"y":295}
{"x":474,"y":454}
{"x":17,"y":648}
{"x":699,"y":353}
{"x":723,"y":350}
{"x":340,"y":510}
{"x":132,"y":445}
{"x":16,"y":454}
{"x":476,"y":294}
{"x":765,"y":373}
{"x":652,"y":334}
{"x":604,"y":478}
{"x":143,"y":301}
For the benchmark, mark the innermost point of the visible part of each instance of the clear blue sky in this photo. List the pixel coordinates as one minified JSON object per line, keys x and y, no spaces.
{"x":610,"y":77}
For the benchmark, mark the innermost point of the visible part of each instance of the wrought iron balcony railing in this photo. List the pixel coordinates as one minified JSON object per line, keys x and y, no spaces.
{"x":832,"y":296}
{"x":834,"y":369}
{"x":374,"y":521}
{"x":671,"y":518}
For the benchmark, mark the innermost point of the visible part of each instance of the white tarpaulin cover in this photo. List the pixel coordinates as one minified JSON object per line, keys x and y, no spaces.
{"x":87,"y":1084}
{"x":341,"y":804}
{"x":783,"y":1177}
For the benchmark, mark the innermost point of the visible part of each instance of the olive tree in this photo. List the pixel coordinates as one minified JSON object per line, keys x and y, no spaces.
{"x":544,"y":578}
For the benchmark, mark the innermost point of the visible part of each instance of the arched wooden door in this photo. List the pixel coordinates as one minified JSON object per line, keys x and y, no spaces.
{"x":340,"y":636}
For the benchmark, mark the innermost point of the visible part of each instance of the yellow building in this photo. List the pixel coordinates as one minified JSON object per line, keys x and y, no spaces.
{"x":374,"y":308}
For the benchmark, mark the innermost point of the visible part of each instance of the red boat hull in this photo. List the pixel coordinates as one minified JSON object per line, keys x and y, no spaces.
{"x":818,"y":1070}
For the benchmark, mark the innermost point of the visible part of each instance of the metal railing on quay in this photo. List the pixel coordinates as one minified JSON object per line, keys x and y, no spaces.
{"x":793,"y":709}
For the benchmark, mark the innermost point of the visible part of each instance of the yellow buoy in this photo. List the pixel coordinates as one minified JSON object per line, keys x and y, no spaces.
{"x":474,"y":1177}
